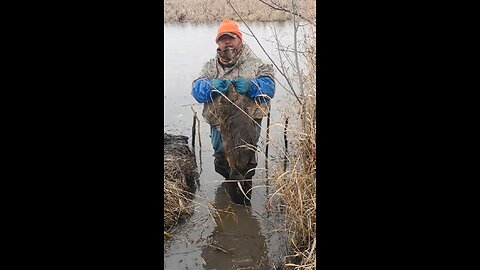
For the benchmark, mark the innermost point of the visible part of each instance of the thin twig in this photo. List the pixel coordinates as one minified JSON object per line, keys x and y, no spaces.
{"x":280,"y":51}
{"x":286,"y":144}
{"x":219,"y":248}
{"x":295,"y":50}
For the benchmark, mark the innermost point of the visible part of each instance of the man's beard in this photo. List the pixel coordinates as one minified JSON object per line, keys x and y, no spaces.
{"x":228,"y":56}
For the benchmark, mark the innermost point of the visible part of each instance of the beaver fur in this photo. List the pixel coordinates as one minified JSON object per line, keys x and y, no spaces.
{"x":239,"y":137}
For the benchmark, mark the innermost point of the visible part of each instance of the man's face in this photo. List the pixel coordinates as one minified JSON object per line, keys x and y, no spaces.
{"x":225,"y":41}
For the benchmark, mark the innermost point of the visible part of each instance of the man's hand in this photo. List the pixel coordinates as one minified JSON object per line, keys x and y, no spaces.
{"x":242,"y":85}
{"x":220,"y":85}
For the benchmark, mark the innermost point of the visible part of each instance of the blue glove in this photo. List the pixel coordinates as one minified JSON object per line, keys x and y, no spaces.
{"x":262,"y":86}
{"x":242,"y":85}
{"x":220,"y":85}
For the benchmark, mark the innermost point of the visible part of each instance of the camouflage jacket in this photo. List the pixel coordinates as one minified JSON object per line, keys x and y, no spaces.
{"x":249,"y":66}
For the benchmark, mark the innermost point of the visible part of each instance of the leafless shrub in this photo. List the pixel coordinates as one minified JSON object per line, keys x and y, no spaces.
{"x":296,"y":184}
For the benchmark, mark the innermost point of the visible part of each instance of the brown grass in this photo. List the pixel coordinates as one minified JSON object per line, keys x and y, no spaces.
{"x":180,"y":172}
{"x":176,"y":204}
{"x":215,"y":10}
{"x":296,"y":187}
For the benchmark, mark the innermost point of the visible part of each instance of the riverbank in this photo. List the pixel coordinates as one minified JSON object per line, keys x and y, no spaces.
{"x":250,"y":10}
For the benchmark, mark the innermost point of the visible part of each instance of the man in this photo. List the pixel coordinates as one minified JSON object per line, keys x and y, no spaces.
{"x":235,"y":66}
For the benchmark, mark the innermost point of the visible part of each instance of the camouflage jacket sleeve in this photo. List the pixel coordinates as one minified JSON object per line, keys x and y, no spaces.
{"x":201,"y":89}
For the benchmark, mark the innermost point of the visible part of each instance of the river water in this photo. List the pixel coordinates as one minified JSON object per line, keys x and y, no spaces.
{"x":241,"y":237}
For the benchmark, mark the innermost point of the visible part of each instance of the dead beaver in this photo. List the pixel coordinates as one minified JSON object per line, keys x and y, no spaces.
{"x":239,"y":138}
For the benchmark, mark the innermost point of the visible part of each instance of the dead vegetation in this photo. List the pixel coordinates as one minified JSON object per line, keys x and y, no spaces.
{"x":250,"y":10}
{"x":295,"y":183}
{"x":180,"y":173}
{"x":295,"y":175}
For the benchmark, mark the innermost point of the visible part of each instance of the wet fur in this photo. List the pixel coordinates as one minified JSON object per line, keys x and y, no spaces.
{"x":238,"y":131}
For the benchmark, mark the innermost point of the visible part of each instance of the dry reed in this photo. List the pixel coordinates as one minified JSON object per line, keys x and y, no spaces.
{"x":214,"y":10}
{"x":180,"y":172}
{"x":296,"y":186}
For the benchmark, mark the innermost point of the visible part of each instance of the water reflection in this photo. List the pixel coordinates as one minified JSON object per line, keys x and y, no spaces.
{"x":236,"y":242}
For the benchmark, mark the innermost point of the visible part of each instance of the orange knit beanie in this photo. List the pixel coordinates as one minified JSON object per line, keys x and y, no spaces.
{"x":228,"y":26}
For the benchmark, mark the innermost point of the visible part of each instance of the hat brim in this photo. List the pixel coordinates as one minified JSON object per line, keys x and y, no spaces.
{"x":226,"y":33}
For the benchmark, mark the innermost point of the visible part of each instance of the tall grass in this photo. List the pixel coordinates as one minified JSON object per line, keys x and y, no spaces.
{"x":217,"y":10}
{"x":296,"y":186}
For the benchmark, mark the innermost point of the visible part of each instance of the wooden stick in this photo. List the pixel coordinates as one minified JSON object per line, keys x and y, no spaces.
{"x":286,"y":144}
{"x":193,"y":127}
{"x":199,"y":137}
{"x":267,"y":139}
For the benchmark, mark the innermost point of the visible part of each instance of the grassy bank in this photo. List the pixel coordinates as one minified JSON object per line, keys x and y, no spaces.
{"x":249,"y":10}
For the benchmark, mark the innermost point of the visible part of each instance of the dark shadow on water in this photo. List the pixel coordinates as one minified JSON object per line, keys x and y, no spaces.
{"x":237,"y":241}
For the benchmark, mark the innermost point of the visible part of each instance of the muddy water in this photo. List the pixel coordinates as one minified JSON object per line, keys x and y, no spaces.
{"x":235,"y":237}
